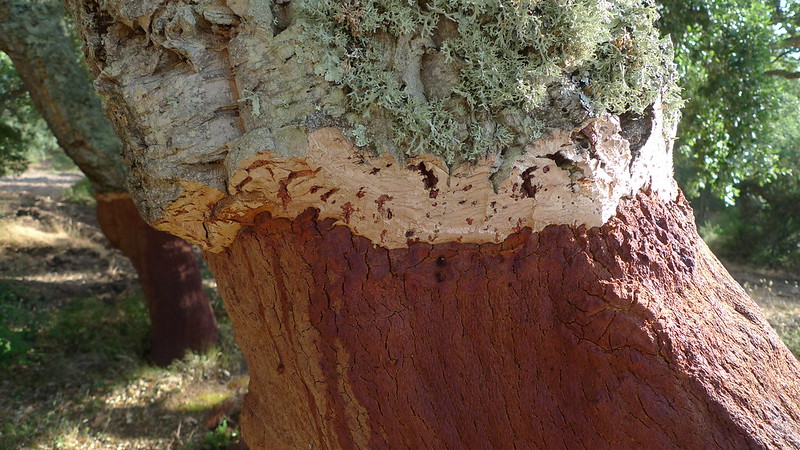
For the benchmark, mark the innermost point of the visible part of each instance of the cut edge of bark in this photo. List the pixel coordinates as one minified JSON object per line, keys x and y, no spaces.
{"x":574,"y":177}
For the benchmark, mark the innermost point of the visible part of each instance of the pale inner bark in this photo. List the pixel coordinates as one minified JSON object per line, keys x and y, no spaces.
{"x":573,"y":177}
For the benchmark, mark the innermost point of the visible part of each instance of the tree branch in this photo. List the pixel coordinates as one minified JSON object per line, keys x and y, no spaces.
{"x":788,"y":74}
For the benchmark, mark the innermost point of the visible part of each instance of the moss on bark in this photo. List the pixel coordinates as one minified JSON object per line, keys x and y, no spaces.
{"x":460,"y":80}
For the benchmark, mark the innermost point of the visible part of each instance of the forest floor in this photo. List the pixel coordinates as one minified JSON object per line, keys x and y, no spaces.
{"x":73,"y":332}
{"x":73,"y":329}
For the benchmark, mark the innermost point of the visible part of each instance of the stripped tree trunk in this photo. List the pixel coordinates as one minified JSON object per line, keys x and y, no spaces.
{"x":180,"y":313}
{"x":34,"y":35}
{"x":560,"y":297}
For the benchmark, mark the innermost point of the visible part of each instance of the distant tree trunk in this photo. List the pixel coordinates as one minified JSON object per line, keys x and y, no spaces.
{"x":556,"y":297}
{"x":180,"y":313}
{"x":34,"y":35}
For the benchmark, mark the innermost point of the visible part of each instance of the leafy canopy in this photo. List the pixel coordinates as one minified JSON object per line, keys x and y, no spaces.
{"x":727,"y":53}
{"x":21,"y":127}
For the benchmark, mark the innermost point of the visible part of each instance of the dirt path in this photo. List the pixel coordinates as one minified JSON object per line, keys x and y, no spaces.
{"x":39,"y":183}
{"x":54,"y":247}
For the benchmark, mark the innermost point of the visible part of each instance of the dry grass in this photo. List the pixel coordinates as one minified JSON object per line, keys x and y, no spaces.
{"x":777,"y":293}
{"x":25,"y":232}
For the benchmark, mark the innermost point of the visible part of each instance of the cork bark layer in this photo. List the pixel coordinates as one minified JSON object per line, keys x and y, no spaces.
{"x":629,"y":335}
{"x":180,"y":313}
{"x":225,"y":116}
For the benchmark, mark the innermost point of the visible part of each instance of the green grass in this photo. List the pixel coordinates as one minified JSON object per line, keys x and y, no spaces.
{"x":31,"y":330}
{"x":17,"y":326}
{"x":53,"y":355}
{"x":72,"y":368}
{"x":220,"y":438}
{"x":80,"y":193}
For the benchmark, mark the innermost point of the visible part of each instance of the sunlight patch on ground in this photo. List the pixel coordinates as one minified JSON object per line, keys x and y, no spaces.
{"x":61,"y":277}
{"x":22,"y":232}
{"x":156,"y":408}
{"x":16,"y":234}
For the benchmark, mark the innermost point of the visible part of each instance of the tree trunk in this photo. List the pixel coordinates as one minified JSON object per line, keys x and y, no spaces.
{"x":35,"y":36}
{"x":180,"y":314}
{"x":547,"y":291}
{"x":630,"y":335}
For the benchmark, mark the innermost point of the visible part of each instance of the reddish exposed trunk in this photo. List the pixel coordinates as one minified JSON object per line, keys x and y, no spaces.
{"x":180,"y":313}
{"x":630,"y":335}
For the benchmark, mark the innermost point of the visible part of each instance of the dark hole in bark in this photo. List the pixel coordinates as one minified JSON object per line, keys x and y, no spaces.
{"x":527,"y":183}
{"x":428,"y":178}
{"x":283,"y":17}
{"x":636,"y":128}
{"x":582,"y":142}
{"x":559,"y":159}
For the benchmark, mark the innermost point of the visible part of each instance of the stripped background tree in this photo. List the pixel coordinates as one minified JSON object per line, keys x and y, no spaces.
{"x":35,"y":36}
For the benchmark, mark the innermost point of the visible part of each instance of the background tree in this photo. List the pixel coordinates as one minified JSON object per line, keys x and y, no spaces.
{"x":35,"y":36}
{"x":442,"y":223}
{"x":21,"y":126}
{"x":737,"y":139}
{"x":763,"y":227}
{"x":723,"y":53}
{"x":786,"y":18}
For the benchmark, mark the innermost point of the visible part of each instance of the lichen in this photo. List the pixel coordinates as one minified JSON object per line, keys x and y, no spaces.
{"x":462,"y":79}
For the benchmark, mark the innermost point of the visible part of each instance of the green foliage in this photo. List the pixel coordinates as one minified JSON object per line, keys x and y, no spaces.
{"x":17,"y":326}
{"x":220,"y":438}
{"x":21,"y":126}
{"x":723,"y":50}
{"x":739,"y":139}
{"x":80,"y":193}
{"x":763,"y":227}
{"x":504,"y":56}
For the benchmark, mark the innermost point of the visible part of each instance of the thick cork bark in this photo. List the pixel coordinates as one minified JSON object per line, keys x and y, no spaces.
{"x":629,"y":335}
{"x":180,"y":313}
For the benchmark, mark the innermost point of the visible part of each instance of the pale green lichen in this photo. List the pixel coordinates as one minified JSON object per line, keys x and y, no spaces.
{"x":460,"y":79}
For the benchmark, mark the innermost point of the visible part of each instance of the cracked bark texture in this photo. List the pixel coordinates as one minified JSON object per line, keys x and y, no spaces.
{"x":631,"y":335}
{"x":35,"y":36}
{"x":385,"y":302}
